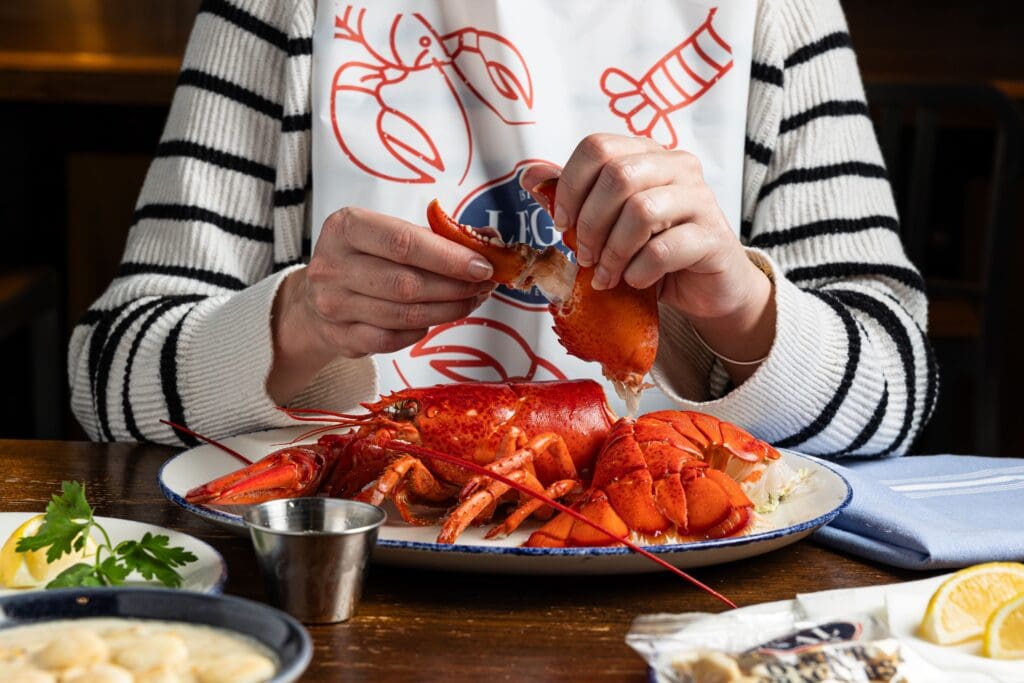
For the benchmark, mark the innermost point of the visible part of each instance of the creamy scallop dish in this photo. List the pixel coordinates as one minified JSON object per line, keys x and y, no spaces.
{"x":109,"y":650}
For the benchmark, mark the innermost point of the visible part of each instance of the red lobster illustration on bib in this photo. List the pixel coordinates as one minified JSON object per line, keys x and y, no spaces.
{"x":418,"y":58}
{"x":677,"y":80}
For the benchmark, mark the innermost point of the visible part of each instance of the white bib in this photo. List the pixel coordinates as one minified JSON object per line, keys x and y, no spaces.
{"x":417,"y":99}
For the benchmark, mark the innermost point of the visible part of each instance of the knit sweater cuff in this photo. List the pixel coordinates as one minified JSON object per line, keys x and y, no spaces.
{"x":224,"y":359}
{"x":799,"y":376}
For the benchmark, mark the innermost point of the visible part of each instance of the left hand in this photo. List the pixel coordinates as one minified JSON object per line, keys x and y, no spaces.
{"x":645,"y":214}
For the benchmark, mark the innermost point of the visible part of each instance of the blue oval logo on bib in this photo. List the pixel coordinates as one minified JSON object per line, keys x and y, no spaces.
{"x":517,"y":217}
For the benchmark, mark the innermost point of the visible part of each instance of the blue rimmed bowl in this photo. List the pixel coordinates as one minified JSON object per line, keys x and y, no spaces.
{"x":280,"y":633}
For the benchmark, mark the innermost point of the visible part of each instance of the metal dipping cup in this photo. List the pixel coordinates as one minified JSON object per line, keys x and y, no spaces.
{"x":313,"y":553}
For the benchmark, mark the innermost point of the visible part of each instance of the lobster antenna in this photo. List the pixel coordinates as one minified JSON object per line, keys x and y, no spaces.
{"x":334,"y":421}
{"x":208,"y":440}
{"x":328,"y":415}
{"x":473,"y":467}
{"x":313,"y":432}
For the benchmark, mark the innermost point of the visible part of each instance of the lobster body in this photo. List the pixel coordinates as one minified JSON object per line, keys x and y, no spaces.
{"x":472,"y":421}
{"x":469,"y":419}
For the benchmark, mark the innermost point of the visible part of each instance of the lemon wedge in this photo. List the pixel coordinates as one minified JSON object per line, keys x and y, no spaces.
{"x":962,"y":605}
{"x":1004,"y":632}
{"x":31,"y":570}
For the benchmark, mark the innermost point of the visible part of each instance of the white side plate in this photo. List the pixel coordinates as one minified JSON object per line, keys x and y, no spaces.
{"x":206,"y":575}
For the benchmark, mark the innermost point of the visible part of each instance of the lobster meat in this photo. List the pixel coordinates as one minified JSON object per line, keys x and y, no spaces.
{"x":625,"y":350}
{"x":667,"y":476}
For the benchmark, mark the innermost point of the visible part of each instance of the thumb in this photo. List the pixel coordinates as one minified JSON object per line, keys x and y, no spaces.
{"x":534,"y":175}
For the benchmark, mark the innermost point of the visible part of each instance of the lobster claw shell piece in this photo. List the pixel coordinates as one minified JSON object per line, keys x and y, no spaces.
{"x":515,"y":265}
{"x":617,"y":328}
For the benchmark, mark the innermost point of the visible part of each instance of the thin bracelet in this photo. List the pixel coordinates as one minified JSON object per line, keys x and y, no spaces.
{"x":726,"y":358}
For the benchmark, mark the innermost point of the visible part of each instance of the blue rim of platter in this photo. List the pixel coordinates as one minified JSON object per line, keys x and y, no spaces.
{"x":138,"y":603}
{"x":731,"y":541}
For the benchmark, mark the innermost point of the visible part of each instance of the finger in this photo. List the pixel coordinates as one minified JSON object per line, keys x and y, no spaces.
{"x":618,"y":180}
{"x":383,"y":279}
{"x":536,"y":174}
{"x":367,"y":340}
{"x":678,"y":248}
{"x":643,"y":215}
{"x":584,"y":165}
{"x":409,"y":244}
{"x":394,"y":315}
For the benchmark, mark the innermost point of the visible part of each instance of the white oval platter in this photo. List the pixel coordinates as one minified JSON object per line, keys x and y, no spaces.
{"x":815,"y":503}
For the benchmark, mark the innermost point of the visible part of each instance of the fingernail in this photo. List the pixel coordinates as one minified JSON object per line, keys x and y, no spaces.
{"x":601,"y":277}
{"x":480,"y":269}
{"x":584,"y":257}
{"x":522,"y":175}
{"x":561,"y":217}
{"x":480,"y":299}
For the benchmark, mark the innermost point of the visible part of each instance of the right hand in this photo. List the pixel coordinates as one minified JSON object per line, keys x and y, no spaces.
{"x":374,"y":284}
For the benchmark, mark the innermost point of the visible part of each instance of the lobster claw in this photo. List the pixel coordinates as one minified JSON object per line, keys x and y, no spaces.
{"x":492,"y":68}
{"x":288,"y":473}
{"x":617,"y":328}
{"x":515,"y":265}
{"x":581,"y":322}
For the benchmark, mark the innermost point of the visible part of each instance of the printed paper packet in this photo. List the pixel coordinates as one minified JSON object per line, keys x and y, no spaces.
{"x":772,"y":643}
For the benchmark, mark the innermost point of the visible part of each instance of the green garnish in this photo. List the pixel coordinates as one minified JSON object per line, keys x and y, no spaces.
{"x":66,"y":526}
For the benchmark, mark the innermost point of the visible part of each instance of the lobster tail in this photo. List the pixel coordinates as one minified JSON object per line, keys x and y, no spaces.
{"x":669,"y":476}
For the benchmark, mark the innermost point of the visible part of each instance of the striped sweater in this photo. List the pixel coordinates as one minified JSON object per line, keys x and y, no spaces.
{"x":183,"y":332}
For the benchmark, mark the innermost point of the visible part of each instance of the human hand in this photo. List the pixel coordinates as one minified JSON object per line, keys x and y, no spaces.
{"x":374,"y":284}
{"x":645,"y":214}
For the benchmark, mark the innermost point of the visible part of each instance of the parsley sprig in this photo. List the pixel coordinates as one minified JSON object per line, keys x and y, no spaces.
{"x":66,"y":526}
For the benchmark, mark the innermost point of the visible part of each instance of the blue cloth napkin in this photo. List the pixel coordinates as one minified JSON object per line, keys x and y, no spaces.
{"x":932,"y":511}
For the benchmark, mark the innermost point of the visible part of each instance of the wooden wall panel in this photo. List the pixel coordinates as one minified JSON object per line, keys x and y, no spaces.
{"x":101,"y":194}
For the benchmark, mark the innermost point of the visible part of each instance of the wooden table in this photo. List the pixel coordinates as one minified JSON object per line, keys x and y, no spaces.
{"x":423,"y":625}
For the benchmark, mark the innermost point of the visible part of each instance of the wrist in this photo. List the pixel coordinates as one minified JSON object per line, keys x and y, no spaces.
{"x":299,"y":349}
{"x":745,"y":333}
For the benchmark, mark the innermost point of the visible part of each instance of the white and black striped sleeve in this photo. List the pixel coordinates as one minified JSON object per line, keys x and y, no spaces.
{"x":850,"y":372}
{"x":183,"y":332}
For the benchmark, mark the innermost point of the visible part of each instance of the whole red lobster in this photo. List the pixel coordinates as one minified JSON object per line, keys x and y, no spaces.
{"x":667,"y":476}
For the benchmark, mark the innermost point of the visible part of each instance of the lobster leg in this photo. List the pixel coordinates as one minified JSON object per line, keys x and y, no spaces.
{"x":545,"y":453}
{"x":403,"y":478}
{"x":482,"y":500}
{"x":559,"y":489}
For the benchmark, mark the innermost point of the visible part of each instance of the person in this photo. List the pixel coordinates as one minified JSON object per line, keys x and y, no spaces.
{"x":808,"y":328}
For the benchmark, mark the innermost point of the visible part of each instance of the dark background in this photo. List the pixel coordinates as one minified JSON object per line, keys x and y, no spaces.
{"x":85,"y":86}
